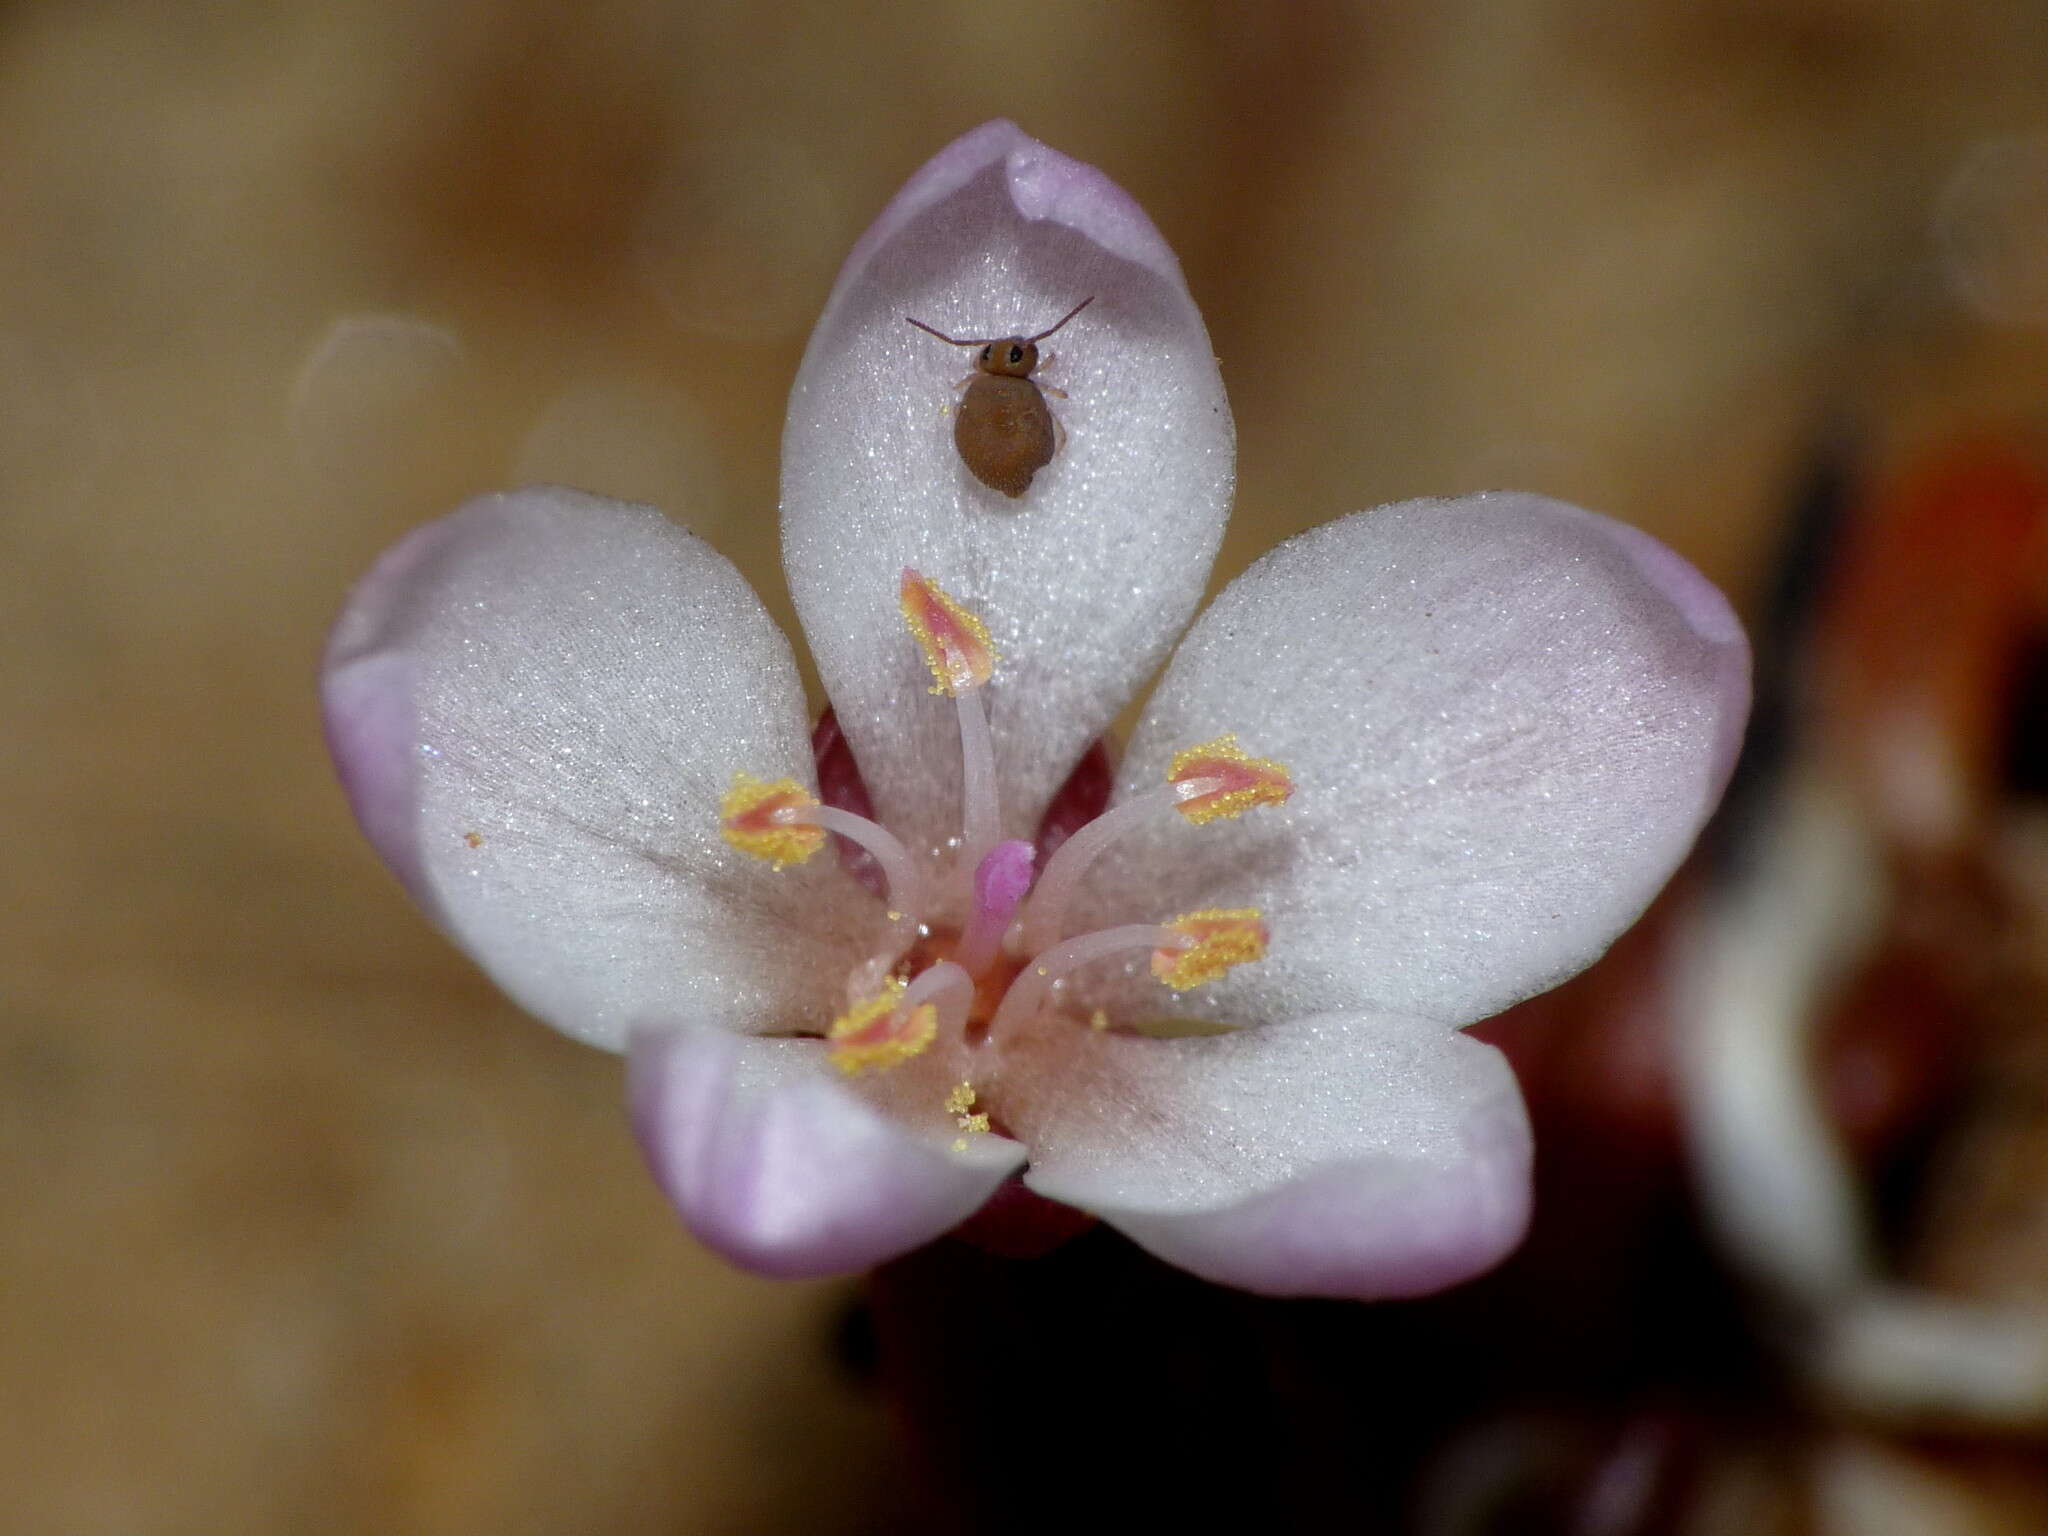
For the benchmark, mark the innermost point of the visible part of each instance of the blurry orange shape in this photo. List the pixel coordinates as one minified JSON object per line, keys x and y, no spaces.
{"x":1938,"y":588}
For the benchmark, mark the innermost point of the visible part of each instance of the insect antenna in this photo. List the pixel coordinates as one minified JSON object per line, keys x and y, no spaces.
{"x":1063,"y":319}
{"x":983,"y":341}
{"x":959,"y":341}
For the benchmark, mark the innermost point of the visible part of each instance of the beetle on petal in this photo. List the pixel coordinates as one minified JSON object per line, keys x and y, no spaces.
{"x":1004,"y":431}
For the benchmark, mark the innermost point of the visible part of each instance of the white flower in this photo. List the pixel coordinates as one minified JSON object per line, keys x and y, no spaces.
{"x":1476,"y":738}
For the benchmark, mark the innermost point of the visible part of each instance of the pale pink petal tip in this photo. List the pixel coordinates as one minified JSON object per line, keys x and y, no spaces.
{"x":1042,"y":183}
{"x":785,"y":1171}
{"x":1370,"y":1230}
{"x":1345,"y":1155}
{"x":1706,"y":609}
{"x":367,"y":712}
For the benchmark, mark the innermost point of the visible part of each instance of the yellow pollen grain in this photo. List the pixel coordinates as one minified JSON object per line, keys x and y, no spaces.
{"x":872,"y":1036}
{"x":960,"y":1105}
{"x":1222,"y":938}
{"x":474,"y":839}
{"x":749,"y":818}
{"x":955,"y":641}
{"x":1249,"y":781}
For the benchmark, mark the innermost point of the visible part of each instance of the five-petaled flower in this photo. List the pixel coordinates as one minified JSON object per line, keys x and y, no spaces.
{"x":1407,"y":769}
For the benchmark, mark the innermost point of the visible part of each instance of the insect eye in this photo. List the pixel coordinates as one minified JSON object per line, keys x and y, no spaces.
{"x":984,"y":354}
{"x":1016,"y":354}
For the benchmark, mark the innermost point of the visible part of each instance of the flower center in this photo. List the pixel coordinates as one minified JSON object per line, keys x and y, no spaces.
{"x":990,"y":986}
{"x":1006,"y":964}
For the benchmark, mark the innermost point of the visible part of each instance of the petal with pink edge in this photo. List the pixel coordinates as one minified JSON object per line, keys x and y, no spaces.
{"x":1360,"y":1156}
{"x":1087,"y":578}
{"x":785,"y":1170}
{"x":535,"y":705}
{"x":1506,"y":721}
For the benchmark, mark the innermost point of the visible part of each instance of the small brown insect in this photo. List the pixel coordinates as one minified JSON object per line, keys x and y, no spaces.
{"x":1004,"y":429}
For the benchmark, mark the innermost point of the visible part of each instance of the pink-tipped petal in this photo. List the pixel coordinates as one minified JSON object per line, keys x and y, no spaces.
{"x":1506,"y":720}
{"x":1087,"y":578}
{"x":1358,"y":1156}
{"x":367,"y":715}
{"x":788,"y":1172}
{"x":535,"y":705}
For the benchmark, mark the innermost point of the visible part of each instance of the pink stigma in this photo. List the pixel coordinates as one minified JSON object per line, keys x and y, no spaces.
{"x":1001,"y":882}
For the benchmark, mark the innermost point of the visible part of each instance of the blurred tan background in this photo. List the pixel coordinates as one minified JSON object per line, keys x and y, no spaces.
{"x":302,"y":1226}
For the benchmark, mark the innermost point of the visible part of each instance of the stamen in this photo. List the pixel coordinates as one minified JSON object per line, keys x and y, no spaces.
{"x":1216,"y":780}
{"x":783,"y":823}
{"x":761,"y":819}
{"x":1186,"y":952}
{"x":1000,"y":881}
{"x":1219,"y":780}
{"x":955,"y":642}
{"x":1213,"y":941}
{"x":956,"y":647}
{"x":899,"y":1022}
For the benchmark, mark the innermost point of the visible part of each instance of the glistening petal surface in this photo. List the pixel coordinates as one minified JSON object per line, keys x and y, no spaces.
{"x":535,"y":704}
{"x":1086,"y":579}
{"x":1362,"y":1156}
{"x":788,"y":1172}
{"x":1506,"y":720}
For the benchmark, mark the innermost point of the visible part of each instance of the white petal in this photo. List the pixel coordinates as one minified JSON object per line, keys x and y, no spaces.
{"x":535,"y":705}
{"x":1342,"y":1155}
{"x":1087,"y":578}
{"x":1506,"y":720}
{"x":785,"y":1170}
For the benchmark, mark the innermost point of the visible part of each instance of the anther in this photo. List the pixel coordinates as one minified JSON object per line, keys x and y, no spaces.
{"x":1218,"y":780}
{"x":881,"y":1032}
{"x":955,"y":642}
{"x":767,"y":820}
{"x":899,"y":1022}
{"x":783,"y":823}
{"x":1210,"y":942}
